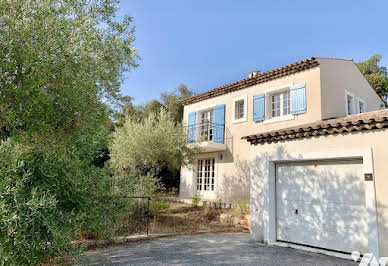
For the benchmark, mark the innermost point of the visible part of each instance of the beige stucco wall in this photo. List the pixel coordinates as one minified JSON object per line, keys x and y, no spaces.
{"x":234,"y":169}
{"x":338,"y":75}
{"x":377,"y":140}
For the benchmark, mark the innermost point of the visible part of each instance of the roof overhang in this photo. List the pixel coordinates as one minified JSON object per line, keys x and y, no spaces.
{"x":248,"y":82}
{"x":354,"y":123}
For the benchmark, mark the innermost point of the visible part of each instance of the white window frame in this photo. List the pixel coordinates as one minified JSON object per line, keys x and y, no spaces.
{"x":268,"y":104}
{"x":234,"y":100}
{"x":359,"y":100}
{"x":347,"y":93}
{"x":202,"y":184}
{"x":205,"y":194}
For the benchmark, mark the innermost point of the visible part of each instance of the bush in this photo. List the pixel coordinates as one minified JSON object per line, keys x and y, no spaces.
{"x":243,"y":206}
{"x":195,"y":201}
{"x":157,"y":205}
{"x":48,"y":198}
{"x":30,"y":220}
{"x":133,"y":183}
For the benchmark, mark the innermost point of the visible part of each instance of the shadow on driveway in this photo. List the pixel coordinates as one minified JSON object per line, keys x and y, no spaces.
{"x":220,"y":248}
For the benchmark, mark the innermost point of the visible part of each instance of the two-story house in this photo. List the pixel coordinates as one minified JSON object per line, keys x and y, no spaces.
{"x":296,"y":141}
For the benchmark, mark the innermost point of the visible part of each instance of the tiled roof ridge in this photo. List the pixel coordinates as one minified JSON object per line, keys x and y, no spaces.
{"x":260,"y":78}
{"x":359,"y":122}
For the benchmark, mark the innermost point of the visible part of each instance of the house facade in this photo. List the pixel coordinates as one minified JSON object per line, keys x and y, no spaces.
{"x":305,"y":144}
{"x":304,"y":92}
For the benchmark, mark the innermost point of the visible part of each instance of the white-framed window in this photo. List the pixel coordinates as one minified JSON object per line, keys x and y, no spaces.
{"x":205,"y":174}
{"x":280,"y":104}
{"x":239,"y":109}
{"x":361,"y":107}
{"x":206,"y":124}
{"x":350,"y":103}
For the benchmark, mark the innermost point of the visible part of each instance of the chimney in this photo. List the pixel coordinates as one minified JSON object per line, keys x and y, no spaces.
{"x":253,"y":74}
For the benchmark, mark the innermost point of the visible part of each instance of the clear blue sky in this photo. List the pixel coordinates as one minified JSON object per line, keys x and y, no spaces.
{"x":208,"y":43}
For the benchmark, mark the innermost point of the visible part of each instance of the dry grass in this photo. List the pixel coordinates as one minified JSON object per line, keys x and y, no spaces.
{"x":186,"y":218}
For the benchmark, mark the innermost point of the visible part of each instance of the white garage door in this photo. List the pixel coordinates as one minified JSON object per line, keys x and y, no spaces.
{"x":322,"y":204}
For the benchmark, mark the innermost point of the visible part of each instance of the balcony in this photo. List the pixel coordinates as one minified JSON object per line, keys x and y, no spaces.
{"x":211,"y":137}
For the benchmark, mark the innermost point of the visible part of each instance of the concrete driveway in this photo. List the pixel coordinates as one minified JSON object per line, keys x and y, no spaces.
{"x":205,"y":249}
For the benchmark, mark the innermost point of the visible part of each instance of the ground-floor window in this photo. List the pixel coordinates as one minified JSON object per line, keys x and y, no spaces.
{"x":205,"y":174}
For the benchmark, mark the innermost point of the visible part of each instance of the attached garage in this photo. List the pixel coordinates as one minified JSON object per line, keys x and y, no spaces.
{"x":322,"y":204}
{"x":323,"y":186}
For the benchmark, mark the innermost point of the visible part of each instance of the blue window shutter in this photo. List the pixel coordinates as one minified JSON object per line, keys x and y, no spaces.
{"x":191,"y":126}
{"x":259,"y":107}
{"x":298,"y":99}
{"x":219,"y":121}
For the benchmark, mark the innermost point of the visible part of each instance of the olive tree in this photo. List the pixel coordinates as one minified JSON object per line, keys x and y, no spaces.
{"x":61,"y":61}
{"x":153,"y":143}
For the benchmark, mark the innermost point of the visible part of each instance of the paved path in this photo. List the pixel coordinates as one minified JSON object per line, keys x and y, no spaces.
{"x":205,"y":249}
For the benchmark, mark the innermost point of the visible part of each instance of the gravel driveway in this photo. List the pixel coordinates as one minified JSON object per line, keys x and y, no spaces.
{"x":205,"y":249}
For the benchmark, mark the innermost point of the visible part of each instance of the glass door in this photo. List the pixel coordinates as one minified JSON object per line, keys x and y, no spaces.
{"x":207,"y":125}
{"x":205,"y":175}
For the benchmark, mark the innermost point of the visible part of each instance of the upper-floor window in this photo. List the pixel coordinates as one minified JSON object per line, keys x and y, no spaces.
{"x":361,"y":106}
{"x":239,"y":109}
{"x":350,"y":103}
{"x":239,"y":112}
{"x":280,"y":104}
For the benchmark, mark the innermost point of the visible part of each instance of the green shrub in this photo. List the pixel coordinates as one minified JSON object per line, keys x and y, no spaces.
{"x":243,"y":206}
{"x":157,"y":205}
{"x":48,"y":198}
{"x":31,"y":223}
{"x":195,"y":201}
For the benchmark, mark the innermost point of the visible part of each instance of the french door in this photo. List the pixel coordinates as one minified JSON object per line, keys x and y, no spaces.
{"x":205,"y":175}
{"x":207,"y":125}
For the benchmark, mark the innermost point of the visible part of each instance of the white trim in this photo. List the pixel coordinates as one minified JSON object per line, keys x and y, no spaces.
{"x":205,"y":108}
{"x":234,"y":100}
{"x":279,"y":119}
{"x":347,"y":93}
{"x":269,"y":208}
{"x":278,"y":89}
{"x":359,"y":100}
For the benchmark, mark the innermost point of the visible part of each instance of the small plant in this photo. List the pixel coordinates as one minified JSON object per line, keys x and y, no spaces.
{"x":196,"y":200}
{"x":157,"y":205}
{"x":243,"y":206}
{"x":219,"y":205}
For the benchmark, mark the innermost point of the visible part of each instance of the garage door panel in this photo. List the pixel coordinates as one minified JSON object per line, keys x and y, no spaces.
{"x":322,"y":204}
{"x":310,"y":212}
{"x":315,"y":234}
{"x":337,"y":185}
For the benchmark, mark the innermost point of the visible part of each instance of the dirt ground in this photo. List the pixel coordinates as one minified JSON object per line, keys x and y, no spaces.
{"x":186,"y":218}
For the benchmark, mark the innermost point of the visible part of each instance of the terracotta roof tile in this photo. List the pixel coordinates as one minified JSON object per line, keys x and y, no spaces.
{"x":248,"y":82}
{"x":353,"y":123}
